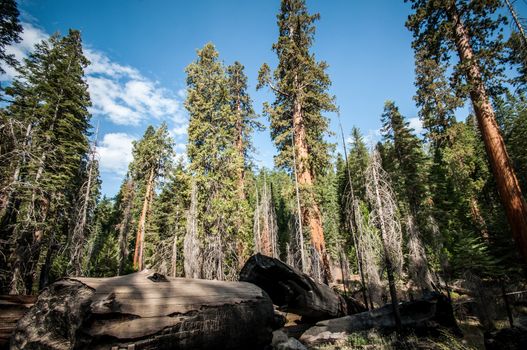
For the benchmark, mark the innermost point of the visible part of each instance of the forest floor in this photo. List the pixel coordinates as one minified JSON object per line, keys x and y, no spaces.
{"x":368,"y":340}
{"x":465,"y":311}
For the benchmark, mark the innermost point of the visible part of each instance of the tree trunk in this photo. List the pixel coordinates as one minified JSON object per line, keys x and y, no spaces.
{"x":12,"y":308}
{"x":519,"y":25}
{"x":310,"y":213}
{"x":387,"y":260}
{"x":353,"y":210}
{"x":174,"y":257}
{"x":140,"y":237}
{"x":124,"y":226}
{"x":77,"y":240}
{"x":241,"y":150}
{"x":504,"y":175}
{"x":147,"y":311}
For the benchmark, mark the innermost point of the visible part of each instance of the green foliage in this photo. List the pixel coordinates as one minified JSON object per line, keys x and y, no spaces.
{"x":168,"y":223}
{"x":50,"y":120}
{"x":434,"y":40}
{"x":299,"y":79}
{"x":215,"y":162}
{"x":404,"y":157}
{"x":10,"y":30}
{"x":103,"y":249}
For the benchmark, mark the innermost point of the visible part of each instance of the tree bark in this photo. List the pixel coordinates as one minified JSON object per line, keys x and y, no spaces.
{"x":504,"y":175}
{"x":140,"y":237}
{"x":241,"y":149}
{"x":311,"y":212}
{"x":147,"y":311}
{"x":124,"y":225}
{"x":427,"y":315}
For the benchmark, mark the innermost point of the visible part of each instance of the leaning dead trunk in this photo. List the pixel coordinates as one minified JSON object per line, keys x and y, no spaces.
{"x":147,"y":311}
{"x":506,"y":181}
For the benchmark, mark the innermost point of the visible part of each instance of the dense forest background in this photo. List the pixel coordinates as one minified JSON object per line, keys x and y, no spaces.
{"x":410,"y":213}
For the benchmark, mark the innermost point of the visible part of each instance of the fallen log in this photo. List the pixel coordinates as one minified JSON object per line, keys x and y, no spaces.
{"x":12,"y":308}
{"x":432,"y":312}
{"x":294,"y":291}
{"x":147,"y":311}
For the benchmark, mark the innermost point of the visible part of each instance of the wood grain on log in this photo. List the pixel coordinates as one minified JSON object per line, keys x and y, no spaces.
{"x":136,"y":311}
{"x":12,"y":308}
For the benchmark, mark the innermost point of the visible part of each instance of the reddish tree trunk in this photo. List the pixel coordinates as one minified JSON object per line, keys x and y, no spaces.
{"x":506,"y":181}
{"x":139,"y":240}
{"x":310,"y":213}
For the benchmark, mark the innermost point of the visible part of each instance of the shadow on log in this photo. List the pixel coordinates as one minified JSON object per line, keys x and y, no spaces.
{"x":145,"y":311}
{"x":294,"y":291}
{"x":423,"y":315}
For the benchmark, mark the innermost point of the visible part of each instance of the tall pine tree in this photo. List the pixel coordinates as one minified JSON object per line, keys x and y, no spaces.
{"x":471,"y":30}
{"x":298,"y":127}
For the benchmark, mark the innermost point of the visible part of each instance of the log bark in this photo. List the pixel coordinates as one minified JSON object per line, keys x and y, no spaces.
{"x":147,"y":311}
{"x":422,"y":316}
{"x":292,"y":290}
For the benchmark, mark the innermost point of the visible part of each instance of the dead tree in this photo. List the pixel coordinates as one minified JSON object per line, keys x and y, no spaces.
{"x":82,"y":222}
{"x":385,"y":217}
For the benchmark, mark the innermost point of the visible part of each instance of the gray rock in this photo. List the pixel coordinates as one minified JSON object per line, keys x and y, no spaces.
{"x":291,"y":344}
{"x":278,"y":338}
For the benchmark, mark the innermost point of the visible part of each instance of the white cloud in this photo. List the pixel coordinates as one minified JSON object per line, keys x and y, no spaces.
{"x":180,"y":147}
{"x":417,"y":125}
{"x":372,"y":137}
{"x":180,"y":130}
{"x":115,"y":153}
{"x":125,"y":96}
{"x":29,"y":38}
{"x":118,"y":92}
{"x":101,"y":64}
{"x":182,"y":93}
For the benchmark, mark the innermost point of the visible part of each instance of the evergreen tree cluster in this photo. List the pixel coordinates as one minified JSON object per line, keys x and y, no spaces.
{"x":408,"y":214}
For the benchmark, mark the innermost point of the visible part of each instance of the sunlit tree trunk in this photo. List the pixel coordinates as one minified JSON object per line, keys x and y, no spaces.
{"x":505,"y":177}
{"x":311,"y":214}
{"x":141,"y":227}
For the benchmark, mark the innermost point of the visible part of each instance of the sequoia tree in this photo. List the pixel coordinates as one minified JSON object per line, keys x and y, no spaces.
{"x":471,"y":29}
{"x":298,"y":127}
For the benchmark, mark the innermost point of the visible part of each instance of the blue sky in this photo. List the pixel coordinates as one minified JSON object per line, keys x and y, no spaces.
{"x":140,"y":48}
